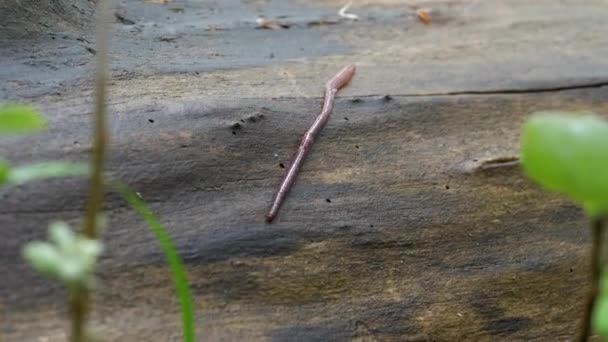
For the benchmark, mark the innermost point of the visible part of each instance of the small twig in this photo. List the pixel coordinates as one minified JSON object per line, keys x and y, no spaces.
{"x":343,"y":14}
{"x":331,"y":89}
{"x":596,"y":268}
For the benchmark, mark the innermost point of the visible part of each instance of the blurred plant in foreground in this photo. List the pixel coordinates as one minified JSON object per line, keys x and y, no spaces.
{"x":568,"y":153}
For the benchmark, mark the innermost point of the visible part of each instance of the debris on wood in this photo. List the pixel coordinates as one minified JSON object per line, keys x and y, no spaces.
{"x":271,"y":24}
{"x":168,"y":38}
{"x":505,"y":161}
{"x":423,"y":15}
{"x":213,"y":27}
{"x":321,"y":22}
{"x":123,"y":19}
{"x":342,"y":12}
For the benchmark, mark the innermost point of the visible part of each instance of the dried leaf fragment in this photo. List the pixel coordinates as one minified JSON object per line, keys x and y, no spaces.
{"x":423,"y":15}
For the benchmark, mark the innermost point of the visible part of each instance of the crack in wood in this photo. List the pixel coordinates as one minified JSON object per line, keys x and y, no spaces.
{"x":506,"y":91}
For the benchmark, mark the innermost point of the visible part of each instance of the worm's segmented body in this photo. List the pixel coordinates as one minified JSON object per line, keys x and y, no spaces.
{"x":331,"y":89}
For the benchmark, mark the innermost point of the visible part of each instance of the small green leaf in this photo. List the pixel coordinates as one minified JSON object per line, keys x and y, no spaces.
{"x":43,"y":257}
{"x":568,"y":153}
{"x":89,"y":249}
{"x":39,"y":171}
{"x":71,"y":270}
{"x":5,"y":170}
{"x":68,"y":257}
{"x":19,"y":118}
{"x":600,"y":312}
{"x":600,"y":317}
{"x":61,"y":234}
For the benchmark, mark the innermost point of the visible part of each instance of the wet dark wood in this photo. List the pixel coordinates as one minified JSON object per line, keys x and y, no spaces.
{"x":409,"y":222}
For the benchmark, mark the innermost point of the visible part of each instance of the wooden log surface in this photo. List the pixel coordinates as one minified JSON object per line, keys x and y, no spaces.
{"x":408,"y":222}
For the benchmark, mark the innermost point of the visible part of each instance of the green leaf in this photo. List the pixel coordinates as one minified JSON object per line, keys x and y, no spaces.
{"x":61,"y":234}
{"x":19,"y":118}
{"x":67,"y":257}
{"x":5,"y":170}
{"x":600,"y":311}
{"x":89,"y":248}
{"x":72,"y":271}
{"x":600,"y":317}
{"x":39,"y":171}
{"x":43,"y":257}
{"x":568,"y":153}
{"x":175,"y":261}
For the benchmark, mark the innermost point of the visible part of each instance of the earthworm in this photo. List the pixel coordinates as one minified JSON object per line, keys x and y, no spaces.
{"x":331,"y":89}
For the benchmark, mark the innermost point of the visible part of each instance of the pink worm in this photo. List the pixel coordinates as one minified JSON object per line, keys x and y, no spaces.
{"x":331,"y":89}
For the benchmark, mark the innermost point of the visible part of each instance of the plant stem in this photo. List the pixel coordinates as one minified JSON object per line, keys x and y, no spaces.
{"x":79,"y":302}
{"x":96,"y":191}
{"x":596,"y":268}
{"x":80,"y":298}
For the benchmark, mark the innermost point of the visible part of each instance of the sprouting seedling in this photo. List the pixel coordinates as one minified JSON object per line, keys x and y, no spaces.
{"x":70,"y":259}
{"x":568,"y":153}
{"x":67,"y":257}
{"x":74,"y":266}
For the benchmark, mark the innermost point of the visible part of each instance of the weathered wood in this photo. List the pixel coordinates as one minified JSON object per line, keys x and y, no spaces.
{"x":407,"y":222}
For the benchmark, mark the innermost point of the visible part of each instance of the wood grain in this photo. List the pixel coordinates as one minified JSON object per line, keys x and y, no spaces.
{"x":409,"y":222}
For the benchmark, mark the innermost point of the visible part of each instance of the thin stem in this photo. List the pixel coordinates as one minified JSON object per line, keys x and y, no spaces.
{"x":95,"y":200}
{"x":80,"y":299}
{"x":596,"y":268}
{"x":175,"y":261}
{"x":78,"y":303}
